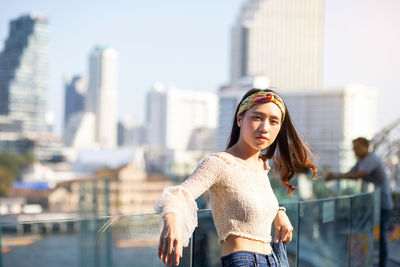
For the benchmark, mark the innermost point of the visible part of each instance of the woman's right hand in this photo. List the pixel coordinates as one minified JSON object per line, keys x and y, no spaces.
{"x":170,"y":247}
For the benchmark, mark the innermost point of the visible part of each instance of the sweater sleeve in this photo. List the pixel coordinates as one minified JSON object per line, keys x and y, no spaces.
{"x":180,"y":199}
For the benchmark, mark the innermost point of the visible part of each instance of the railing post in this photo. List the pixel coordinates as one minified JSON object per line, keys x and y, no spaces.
{"x":350,"y":229}
{"x":108,"y":231}
{"x":191,"y":244}
{"x":298,"y":233}
{"x":1,"y":246}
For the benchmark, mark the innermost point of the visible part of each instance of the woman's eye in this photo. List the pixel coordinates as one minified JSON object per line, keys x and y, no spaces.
{"x":257,"y":117}
{"x":275,"y":122}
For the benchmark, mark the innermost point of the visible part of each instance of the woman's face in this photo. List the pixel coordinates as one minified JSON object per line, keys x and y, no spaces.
{"x":260,"y":125}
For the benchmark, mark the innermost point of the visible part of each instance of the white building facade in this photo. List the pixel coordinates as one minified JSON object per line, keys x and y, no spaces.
{"x":102,"y":94}
{"x":175,"y":115}
{"x":327,"y":119}
{"x":281,"y":39}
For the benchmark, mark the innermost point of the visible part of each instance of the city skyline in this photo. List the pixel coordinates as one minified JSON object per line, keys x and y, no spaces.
{"x":195,"y":54}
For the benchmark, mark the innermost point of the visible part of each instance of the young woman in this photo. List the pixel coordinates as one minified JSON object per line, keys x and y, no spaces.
{"x":242,"y":201}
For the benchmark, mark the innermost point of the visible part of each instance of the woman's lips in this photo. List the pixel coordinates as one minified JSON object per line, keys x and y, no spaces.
{"x":262,"y":138}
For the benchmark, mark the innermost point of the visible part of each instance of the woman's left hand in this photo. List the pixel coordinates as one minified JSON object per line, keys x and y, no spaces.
{"x":283,"y":228}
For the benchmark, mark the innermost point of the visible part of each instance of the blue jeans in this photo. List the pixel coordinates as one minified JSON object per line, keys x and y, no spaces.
{"x":249,"y":259}
{"x":383,"y":246}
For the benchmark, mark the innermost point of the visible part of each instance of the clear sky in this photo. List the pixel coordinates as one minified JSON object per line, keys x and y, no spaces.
{"x":186,"y":43}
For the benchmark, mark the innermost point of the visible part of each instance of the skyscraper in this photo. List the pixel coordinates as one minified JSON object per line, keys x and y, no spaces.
{"x":327,"y":119}
{"x":330,"y":119}
{"x":75,"y":96}
{"x":176,"y":117}
{"x":23,"y":72}
{"x":280,"y":39}
{"x":102,"y":94}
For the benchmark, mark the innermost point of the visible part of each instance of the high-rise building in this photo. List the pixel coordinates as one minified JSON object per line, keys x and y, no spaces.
{"x":327,"y":119}
{"x":330,"y":119}
{"x":80,"y":131}
{"x":102,"y":94}
{"x":280,"y":39}
{"x":131,"y":133}
{"x":175,"y":115}
{"x":23,"y":72}
{"x":75,"y":96}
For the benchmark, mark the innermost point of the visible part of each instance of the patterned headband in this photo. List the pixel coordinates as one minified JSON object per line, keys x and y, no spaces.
{"x":260,"y":98}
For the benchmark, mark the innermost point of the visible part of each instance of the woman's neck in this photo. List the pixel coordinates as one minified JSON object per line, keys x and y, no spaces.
{"x":241,"y":151}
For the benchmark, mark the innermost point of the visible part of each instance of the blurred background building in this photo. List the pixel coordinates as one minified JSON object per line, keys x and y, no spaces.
{"x":102,"y":94}
{"x":131,"y":133}
{"x":174,"y":114}
{"x":280,"y":39}
{"x":330,"y":119}
{"x":74,"y":109}
{"x":23,"y":72}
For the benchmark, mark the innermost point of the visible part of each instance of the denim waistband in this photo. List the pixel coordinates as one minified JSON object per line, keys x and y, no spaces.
{"x":248,"y":255}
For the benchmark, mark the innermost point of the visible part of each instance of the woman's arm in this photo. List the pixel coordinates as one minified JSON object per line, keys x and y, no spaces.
{"x":283,"y":227}
{"x":178,"y":209}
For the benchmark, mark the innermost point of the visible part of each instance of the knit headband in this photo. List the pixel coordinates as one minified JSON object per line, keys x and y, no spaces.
{"x":260,"y":98}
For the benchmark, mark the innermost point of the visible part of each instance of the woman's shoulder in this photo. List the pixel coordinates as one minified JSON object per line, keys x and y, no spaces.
{"x":228,"y":159}
{"x":216,"y":158}
{"x":222,"y":157}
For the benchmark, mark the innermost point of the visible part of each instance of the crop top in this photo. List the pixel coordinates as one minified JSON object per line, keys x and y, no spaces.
{"x":242,"y":200}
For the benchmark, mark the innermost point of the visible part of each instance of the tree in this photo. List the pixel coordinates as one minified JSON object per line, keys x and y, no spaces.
{"x":6,"y":180}
{"x":15,"y":163}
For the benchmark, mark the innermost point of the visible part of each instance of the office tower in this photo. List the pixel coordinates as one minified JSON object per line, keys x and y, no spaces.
{"x":327,"y":119}
{"x":75,"y":96}
{"x":102,"y":94}
{"x":23,"y":72}
{"x":280,"y":39}
{"x":80,"y":131}
{"x":330,"y":119}
{"x":175,"y":117}
{"x":131,"y":133}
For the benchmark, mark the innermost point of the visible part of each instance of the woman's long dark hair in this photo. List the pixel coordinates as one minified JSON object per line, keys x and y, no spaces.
{"x":293,"y":155}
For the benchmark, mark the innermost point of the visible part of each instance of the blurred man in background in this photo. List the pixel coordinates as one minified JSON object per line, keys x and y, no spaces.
{"x":369,"y":167}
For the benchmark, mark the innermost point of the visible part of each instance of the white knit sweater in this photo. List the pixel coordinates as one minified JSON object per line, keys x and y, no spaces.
{"x":242,"y":200}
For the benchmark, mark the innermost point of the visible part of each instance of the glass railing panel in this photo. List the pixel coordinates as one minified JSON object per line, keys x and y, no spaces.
{"x":134,"y":241}
{"x":206,"y":248}
{"x":362,"y":230}
{"x":377,"y":220}
{"x":112,"y":241}
{"x":41,"y":244}
{"x":292,"y":210}
{"x":323,"y":229}
{"x":327,"y":232}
